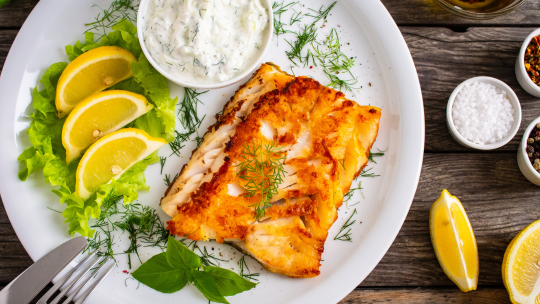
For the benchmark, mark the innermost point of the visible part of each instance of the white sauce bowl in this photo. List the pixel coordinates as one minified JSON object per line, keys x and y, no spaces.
{"x":514,"y":101}
{"x":523,"y":159}
{"x":248,"y":68}
{"x":521,"y":74}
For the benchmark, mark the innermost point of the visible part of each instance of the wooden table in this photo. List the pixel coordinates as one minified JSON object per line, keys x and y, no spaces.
{"x":499,"y":200}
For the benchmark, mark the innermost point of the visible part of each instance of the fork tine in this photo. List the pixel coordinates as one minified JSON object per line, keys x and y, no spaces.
{"x":61,"y":282}
{"x":93,"y":287}
{"x":77,"y":279}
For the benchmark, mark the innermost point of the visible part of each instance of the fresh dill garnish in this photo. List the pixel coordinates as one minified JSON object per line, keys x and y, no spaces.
{"x":141,"y":223}
{"x":346,"y":235}
{"x":342,"y":163}
{"x":244,"y":270}
{"x":168,"y":179}
{"x":365,"y":173}
{"x":188,"y":109}
{"x":178,"y":143}
{"x":350,"y":194}
{"x":199,"y":139}
{"x":372,"y":155}
{"x":263,"y":171}
{"x":278,"y":9}
{"x":54,"y":210}
{"x":162,"y":160}
{"x":118,"y":10}
{"x":208,"y":259}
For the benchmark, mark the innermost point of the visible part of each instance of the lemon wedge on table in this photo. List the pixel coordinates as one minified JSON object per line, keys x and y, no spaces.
{"x":453,"y":241}
{"x":521,"y":266}
{"x":99,"y":115}
{"x":91,"y":72}
{"x":111,"y":156}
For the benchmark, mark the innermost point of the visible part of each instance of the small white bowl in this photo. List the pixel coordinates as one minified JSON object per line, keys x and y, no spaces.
{"x":514,"y":101}
{"x":523,"y":78}
{"x":251,"y":65}
{"x":523,"y":159}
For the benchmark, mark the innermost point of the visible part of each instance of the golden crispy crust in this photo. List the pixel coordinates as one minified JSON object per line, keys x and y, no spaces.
{"x":325,"y":139}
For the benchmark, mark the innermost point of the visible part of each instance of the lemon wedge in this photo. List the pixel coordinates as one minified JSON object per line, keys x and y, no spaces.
{"x":99,"y":115}
{"x":111,"y":156}
{"x":521,"y":266}
{"x":90,"y":73}
{"x":453,"y":240}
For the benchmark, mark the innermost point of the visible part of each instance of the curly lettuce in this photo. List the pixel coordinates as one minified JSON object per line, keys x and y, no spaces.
{"x":47,"y":152}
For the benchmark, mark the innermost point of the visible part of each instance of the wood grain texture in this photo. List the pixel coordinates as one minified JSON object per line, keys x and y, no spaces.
{"x":6,"y":40}
{"x":426,"y":296}
{"x":445,"y":58}
{"x":14,"y":14}
{"x":427,"y":12}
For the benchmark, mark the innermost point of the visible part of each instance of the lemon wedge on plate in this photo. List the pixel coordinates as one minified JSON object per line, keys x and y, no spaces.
{"x":521,"y":266}
{"x":111,"y":156}
{"x":90,"y":73}
{"x":454,"y":242}
{"x":99,"y":115}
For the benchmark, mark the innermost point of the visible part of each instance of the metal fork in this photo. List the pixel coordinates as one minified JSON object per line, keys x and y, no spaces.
{"x":80,"y":279}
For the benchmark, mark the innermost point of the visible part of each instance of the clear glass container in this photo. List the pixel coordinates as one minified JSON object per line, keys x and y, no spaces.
{"x":486,"y":9}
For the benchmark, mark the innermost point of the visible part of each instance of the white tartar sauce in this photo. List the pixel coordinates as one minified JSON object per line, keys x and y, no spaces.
{"x":204,"y":41}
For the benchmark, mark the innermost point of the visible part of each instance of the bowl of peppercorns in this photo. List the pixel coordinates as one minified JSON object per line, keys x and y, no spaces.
{"x":529,"y":152}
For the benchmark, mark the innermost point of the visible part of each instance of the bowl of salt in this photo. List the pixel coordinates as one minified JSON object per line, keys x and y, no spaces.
{"x":483,"y":113}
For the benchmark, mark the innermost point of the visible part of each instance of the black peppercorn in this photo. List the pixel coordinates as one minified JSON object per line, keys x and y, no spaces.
{"x":536,"y":155}
{"x":530,"y":149}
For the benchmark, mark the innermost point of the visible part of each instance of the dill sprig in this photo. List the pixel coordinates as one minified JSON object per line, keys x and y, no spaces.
{"x":365,"y":173}
{"x":118,"y":10}
{"x":263,"y":171}
{"x":346,"y":235}
{"x":162,"y":160}
{"x":350,"y":194}
{"x":141,"y":223}
{"x":377,"y":154}
{"x":178,"y":143}
{"x":208,"y":259}
{"x":168,"y":179}
{"x":244,"y":270}
{"x":278,"y":9}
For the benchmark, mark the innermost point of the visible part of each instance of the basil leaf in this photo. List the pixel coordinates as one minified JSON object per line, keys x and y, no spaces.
{"x":208,"y":287}
{"x":179,"y":256}
{"x":229,"y":283}
{"x":158,"y":274}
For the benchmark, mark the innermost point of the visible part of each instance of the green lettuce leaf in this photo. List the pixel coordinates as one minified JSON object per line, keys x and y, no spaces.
{"x":48,"y":153}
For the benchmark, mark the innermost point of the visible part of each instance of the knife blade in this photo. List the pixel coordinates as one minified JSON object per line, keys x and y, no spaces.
{"x":28,"y":284}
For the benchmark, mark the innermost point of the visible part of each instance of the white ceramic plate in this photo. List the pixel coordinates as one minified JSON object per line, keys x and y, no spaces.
{"x":388,"y":79}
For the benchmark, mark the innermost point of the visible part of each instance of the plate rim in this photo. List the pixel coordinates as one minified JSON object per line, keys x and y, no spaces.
{"x":380,"y":21}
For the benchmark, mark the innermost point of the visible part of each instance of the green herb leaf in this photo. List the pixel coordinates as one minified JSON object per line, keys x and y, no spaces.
{"x":206,"y":284}
{"x":158,"y":274}
{"x":179,"y":256}
{"x":229,"y":283}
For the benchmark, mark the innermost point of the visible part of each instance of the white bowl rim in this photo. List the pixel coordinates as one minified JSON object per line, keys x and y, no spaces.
{"x":247,"y":70}
{"x":513,"y":100}
{"x":523,"y":146}
{"x":521,"y":59}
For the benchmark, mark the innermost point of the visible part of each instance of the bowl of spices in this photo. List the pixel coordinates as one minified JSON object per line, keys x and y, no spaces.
{"x":528,"y":64}
{"x":529,"y":152}
{"x":480,"y":9}
{"x":205,"y":44}
{"x":483,"y":113}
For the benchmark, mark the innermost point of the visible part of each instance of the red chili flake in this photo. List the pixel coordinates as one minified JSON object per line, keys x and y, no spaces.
{"x":311,"y":67}
{"x":537,"y":133}
{"x":532,"y":60}
{"x":125,"y":271}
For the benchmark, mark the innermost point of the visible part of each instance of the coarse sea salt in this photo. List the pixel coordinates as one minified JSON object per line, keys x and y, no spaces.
{"x":482,"y":113}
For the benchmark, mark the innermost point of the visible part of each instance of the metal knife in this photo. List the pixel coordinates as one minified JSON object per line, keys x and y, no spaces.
{"x":28,"y":284}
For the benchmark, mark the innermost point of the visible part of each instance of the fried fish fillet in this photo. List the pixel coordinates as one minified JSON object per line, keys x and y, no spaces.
{"x":323,"y":142}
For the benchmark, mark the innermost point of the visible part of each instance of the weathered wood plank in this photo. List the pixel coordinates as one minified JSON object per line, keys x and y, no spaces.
{"x":444,"y":59}
{"x":498,"y":199}
{"x":427,"y":296}
{"x":427,"y":12}
{"x":6,"y":40}
{"x":14,"y":14}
